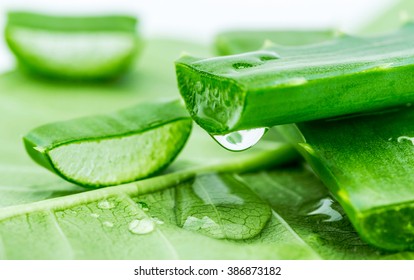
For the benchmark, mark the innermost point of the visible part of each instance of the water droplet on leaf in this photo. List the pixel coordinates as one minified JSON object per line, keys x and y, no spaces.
{"x":142,"y":226}
{"x":240,"y":140}
{"x":204,"y":224}
{"x":104,"y":204}
{"x":157,"y":221}
{"x":108,"y":224}
{"x":324,"y":207}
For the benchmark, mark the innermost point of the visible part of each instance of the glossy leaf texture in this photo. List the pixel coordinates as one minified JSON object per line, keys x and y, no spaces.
{"x":280,"y":85}
{"x":302,"y":221}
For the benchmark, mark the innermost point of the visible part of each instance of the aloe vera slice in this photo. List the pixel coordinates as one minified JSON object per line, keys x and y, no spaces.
{"x":82,"y":48}
{"x":240,"y":41}
{"x":280,"y":85}
{"x":112,"y":149}
{"x":367,"y":163}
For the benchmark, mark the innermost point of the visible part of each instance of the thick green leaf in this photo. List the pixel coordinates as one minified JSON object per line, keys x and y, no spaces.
{"x":114,"y":148}
{"x":367,"y":163}
{"x":279,"y":85}
{"x":307,"y":208}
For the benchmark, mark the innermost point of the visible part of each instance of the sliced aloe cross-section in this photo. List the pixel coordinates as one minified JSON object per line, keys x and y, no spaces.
{"x":112,"y":149}
{"x":279,"y":85}
{"x":367,"y":163}
{"x":95,"y":47}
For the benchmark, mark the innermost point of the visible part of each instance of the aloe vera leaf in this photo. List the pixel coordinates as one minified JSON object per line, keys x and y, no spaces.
{"x":80,"y":48}
{"x":366,"y":162}
{"x":112,"y":149}
{"x":240,"y":41}
{"x":280,"y":85}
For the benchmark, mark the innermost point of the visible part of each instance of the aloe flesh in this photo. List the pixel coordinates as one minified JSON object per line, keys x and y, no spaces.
{"x":112,"y":149}
{"x":72,"y":47}
{"x":240,"y":41}
{"x":366,"y":162}
{"x":280,"y":85}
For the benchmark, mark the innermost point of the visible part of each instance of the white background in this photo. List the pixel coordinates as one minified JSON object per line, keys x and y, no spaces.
{"x":201,"y":19}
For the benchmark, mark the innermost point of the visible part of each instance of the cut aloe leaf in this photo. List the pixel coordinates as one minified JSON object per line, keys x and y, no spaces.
{"x":112,"y":149}
{"x":240,"y":41}
{"x":367,"y":163}
{"x":280,"y":85}
{"x":80,"y":48}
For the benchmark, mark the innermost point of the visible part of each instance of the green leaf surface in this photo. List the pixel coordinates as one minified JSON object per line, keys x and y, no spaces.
{"x":124,"y":223}
{"x":111,"y":223}
{"x":280,"y":85}
{"x":27,"y":102}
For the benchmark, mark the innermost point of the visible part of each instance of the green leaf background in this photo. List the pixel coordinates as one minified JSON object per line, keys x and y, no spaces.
{"x":209,"y":204}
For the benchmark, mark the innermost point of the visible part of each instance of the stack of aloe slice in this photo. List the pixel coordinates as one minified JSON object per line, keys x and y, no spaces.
{"x":350,"y":99}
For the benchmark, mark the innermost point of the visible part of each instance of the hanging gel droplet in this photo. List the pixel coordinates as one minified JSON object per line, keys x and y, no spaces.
{"x":240,"y":140}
